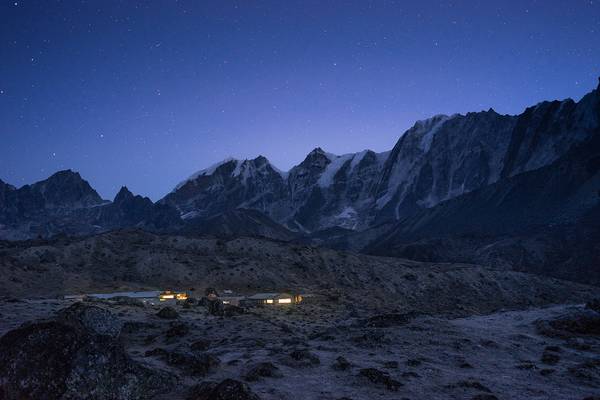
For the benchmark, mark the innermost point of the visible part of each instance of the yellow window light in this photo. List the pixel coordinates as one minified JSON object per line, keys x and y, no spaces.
{"x":181,"y":296}
{"x":269,"y":301}
{"x":284,"y":301}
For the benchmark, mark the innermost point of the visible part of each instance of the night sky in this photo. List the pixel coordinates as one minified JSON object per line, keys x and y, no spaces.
{"x":144,"y":94}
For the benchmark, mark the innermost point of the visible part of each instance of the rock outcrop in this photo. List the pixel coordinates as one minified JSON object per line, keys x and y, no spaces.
{"x":74,"y":356}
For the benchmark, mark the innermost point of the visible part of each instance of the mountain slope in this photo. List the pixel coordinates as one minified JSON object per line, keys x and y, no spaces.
{"x":237,"y":223}
{"x":545,"y":221}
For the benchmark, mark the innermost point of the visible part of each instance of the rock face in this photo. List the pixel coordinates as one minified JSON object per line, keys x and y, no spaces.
{"x":41,"y":208}
{"x":545,"y":221}
{"x":238,"y":222}
{"x":129,"y":210}
{"x":74,"y":356}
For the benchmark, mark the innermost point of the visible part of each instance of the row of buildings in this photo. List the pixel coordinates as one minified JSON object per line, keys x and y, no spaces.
{"x":228,"y":297}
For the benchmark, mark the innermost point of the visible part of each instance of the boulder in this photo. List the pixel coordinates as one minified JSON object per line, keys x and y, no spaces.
{"x":73,"y":357}
{"x":200,"y":345}
{"x":370,"y":338}
{"x":580,"y":323}
{"x":189,"y":302}
{"x":215,"y":307}
{"x":192,"y":363}
{"x":91,"y":318}
{"x":262,"y":370}
{"x":341,"y":364}
{"x":167,"y":313}
{"x":231,"y":310}
{"x":380,"y":378}
{"x":229,"y":389}
{"x":198,"y":364}
{"x":177,"y":329}
{"x":303,"y":358}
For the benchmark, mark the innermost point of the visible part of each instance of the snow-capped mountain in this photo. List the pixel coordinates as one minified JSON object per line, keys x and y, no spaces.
{"x":253,"y":184}
{"x":437,"y":159}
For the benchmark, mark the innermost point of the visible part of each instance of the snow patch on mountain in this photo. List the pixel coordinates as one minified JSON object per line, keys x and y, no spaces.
{"x":347,"y":218}
{"x":337,"y":162}
{"x":429,"y":128}
{"x":238,"y":167}
{"x":357,"y":159}
{"x":204,"y":172}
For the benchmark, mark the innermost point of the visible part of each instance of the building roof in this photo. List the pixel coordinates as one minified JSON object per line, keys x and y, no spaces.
{"x":138,"y":295}
{"x":264,"y":296}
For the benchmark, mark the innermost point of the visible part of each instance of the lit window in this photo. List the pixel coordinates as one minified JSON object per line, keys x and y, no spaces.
{"x":284,"y":301}
{"x":269,"y":301}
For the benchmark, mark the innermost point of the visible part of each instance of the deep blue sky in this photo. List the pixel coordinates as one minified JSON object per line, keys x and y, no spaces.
{"x":144,"y":94}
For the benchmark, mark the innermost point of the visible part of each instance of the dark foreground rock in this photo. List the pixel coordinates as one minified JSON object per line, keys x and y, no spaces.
{"x":92,"y":319}
{"x":594,"y":305}
{"x":167,"y":313}
{"x":192,"y":363}
{"x":580,"y":323}
{"x":302,"y":358}
{"x":380,"y":378}
{"x":262,"y":370}
{"x":73,"y":357}
{"x":215,"y":307}
{"x":341,"y":364}
{"x":229,"y":389}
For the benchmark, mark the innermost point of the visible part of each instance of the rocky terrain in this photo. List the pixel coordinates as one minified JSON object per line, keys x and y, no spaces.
{"x":378,"y":328}
{"x":135,"y":259}
{"x":328,"y":350}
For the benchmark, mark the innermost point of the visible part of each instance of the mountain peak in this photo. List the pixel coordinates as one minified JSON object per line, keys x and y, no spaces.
{"x":319,"y":153}
{"x":124,"y":194}
{"x":260,"y":160}
{"x":67,"y":188}
{"x":64,"y":174}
